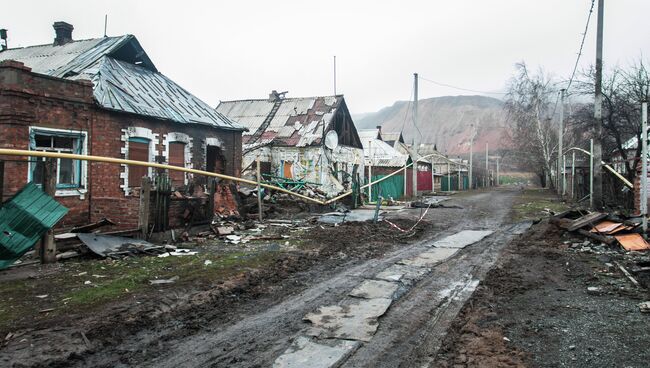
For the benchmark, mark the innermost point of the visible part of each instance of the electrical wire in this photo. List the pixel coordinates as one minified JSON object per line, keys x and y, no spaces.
{"x":460,"y":88}
{"x":582,"y":43}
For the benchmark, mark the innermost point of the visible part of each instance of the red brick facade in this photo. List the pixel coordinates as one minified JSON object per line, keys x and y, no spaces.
{"x":33,"y":100}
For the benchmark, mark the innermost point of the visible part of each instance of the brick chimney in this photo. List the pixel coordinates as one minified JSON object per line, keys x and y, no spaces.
{"x":63,"y":33}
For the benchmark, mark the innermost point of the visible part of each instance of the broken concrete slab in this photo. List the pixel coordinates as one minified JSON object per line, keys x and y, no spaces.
{"x":322,"y":354}
{"x":462,"y":239}
{"x":355,"y":321}
{"x":371,"y":289}
{"x":403,"y":273}
{"x":429,"y":258}
{"x":356,"y":215}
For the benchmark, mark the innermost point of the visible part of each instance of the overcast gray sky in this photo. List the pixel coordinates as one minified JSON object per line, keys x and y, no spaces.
{"x":224,"y":50}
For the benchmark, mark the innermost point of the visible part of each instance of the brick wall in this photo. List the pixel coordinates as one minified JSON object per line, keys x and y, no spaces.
{"x":30,"y":99}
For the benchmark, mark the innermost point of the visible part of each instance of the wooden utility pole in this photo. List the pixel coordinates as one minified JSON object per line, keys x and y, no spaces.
{"x":498,"y":179}
{"x":560,"y":143}
{"x":145,"y":203}
{"x":259,"y":190}
{"x":416,"y":141}
{"x":597,"y":177}
{"x":48,"y":246}
{"x":448,"y":178}
{"x":471,"y":155}
{"x":573,"y":174}
{"x":591,"y":173}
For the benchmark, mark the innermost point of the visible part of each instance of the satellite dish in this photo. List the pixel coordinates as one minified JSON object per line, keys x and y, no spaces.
{"x":331,"y":139}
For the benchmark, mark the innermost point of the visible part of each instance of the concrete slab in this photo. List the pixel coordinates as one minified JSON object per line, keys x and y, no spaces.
{"x":323,"y":354}
{"x":371,"y":289}
{"x":356,"y":321}
{"x":462,"y":239}
{"x":356,"y":215}
{"x":429,"y":258}
{"x":407,"y":275}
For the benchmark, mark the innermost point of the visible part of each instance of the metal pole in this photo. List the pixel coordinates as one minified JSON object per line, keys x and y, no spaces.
{"x":487,"y":168}
{"x":460,"y":180}
{"x":48,"y":248}
{"x":370,"y":171}
{"x":591,"y":173}
{"x":560,"y":149}
{"x":598,"y":113}
{"x":644,"y":166}
{"x":259,"y":191}
{"x":573,"y":175}
{"x":471,"y":154}
{"x":563,"y":175}
{"x":416,"y":142}
{"x":334,"y":75}
{"x":498,"y":178}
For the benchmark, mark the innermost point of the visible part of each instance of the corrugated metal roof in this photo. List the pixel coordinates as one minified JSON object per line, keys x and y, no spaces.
{"x":380,"y":153}
{"x":23,"y":221}
{"x":296,"y":122}
{"x":124,"y":78}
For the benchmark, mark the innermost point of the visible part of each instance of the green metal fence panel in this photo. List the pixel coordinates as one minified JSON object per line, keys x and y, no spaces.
{"x":24,"y":219}
{"x":391,"y":187}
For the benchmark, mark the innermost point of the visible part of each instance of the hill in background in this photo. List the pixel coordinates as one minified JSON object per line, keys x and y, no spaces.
{"x":446,"y":121}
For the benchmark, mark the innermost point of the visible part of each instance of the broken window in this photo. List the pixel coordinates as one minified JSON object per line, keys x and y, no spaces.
{"x":138,"y":151}
{"x":177,"y":158}
{"x":68,"y":171}
{"x":215,"y":160}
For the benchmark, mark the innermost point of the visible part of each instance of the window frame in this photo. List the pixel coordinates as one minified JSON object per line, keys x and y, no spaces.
{"x":81,"y":167}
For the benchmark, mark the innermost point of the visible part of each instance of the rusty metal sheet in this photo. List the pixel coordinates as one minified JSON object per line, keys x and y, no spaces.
{"x":607,"y":227}
{"x":632,"y":242}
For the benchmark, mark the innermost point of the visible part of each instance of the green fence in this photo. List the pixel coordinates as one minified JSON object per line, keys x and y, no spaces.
{"x":453,"y":180}
{"x":391,"y":187}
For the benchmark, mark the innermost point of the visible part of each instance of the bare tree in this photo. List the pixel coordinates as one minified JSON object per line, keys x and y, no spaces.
{"x":530,"y":105}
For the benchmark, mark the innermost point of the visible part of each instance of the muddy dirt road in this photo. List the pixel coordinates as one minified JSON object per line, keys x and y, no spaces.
{"x":258,"y":331}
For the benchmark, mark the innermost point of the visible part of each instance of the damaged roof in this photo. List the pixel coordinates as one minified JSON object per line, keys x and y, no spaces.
{"x":124,"y":78}
{"x":379,"y":153}
{"x":297,"y":122}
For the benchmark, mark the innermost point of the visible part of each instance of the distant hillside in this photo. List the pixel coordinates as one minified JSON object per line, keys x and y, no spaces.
{"x":445,"y":121}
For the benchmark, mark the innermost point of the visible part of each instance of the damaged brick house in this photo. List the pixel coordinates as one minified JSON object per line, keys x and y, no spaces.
{"x":312,"y":139}
{"x":105,"y":97}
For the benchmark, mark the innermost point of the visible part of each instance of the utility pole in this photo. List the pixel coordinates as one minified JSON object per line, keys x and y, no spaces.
{"x":334,"y":75}
{"x":416,"y":141}
{"x":448,"y":178}
{"x":573,"y":175}
{"x":498,"y":179}
{"x":560,"y":148}
{"x":487,"y":167}
{"x":597,"y":195}
{"x":644,"y":166}
{"x":471,"y":155}
{"x":591,"y":173}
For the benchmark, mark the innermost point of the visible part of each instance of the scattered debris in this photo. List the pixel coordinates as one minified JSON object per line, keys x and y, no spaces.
{"x":632,"y":242}
{"x":42,"y":296}
{"x":179,"y":252}
{"x":46,"y":310}
{"x":644,"y":307}
{"x":626,"y":273}
{"x":163,"y":281}
{"x":207,"y":262}
{"x":111,"y":246}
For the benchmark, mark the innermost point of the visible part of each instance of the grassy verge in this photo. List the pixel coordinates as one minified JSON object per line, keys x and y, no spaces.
{"x":536,"y":203}
{"x":80,"y":286}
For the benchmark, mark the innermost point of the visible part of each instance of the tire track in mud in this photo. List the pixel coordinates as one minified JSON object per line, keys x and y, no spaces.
{"x":260,"y":336}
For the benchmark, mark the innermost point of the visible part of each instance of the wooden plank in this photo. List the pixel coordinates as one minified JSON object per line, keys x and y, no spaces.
{"x":586,"y":220}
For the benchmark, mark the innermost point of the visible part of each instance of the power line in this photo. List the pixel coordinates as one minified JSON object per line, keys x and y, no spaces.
{"x":460,"y":88}
{"x":582,"y":43}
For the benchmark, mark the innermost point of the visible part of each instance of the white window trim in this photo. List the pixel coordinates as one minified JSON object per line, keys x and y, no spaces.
{"x":136,"y":132}
{"x":184,"y":138}
{"x":209,"y":142}
{"x":68,"y":192}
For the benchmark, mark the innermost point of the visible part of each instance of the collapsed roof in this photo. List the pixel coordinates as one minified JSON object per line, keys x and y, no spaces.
{"x":294,"y":122}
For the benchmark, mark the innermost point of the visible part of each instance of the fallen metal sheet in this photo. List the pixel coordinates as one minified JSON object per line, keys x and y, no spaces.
{"x":429,"y":258}
{"x":356,"y":321}
{"x":359,"y":215}
{"x":609,"y":227}
{"x":632,"y":242}
{"x":104,"y":245}
{"x":462,"y":239}
{"x":372,"y":289}
{"x":405,"y":274}
{"x":306,"y":353}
